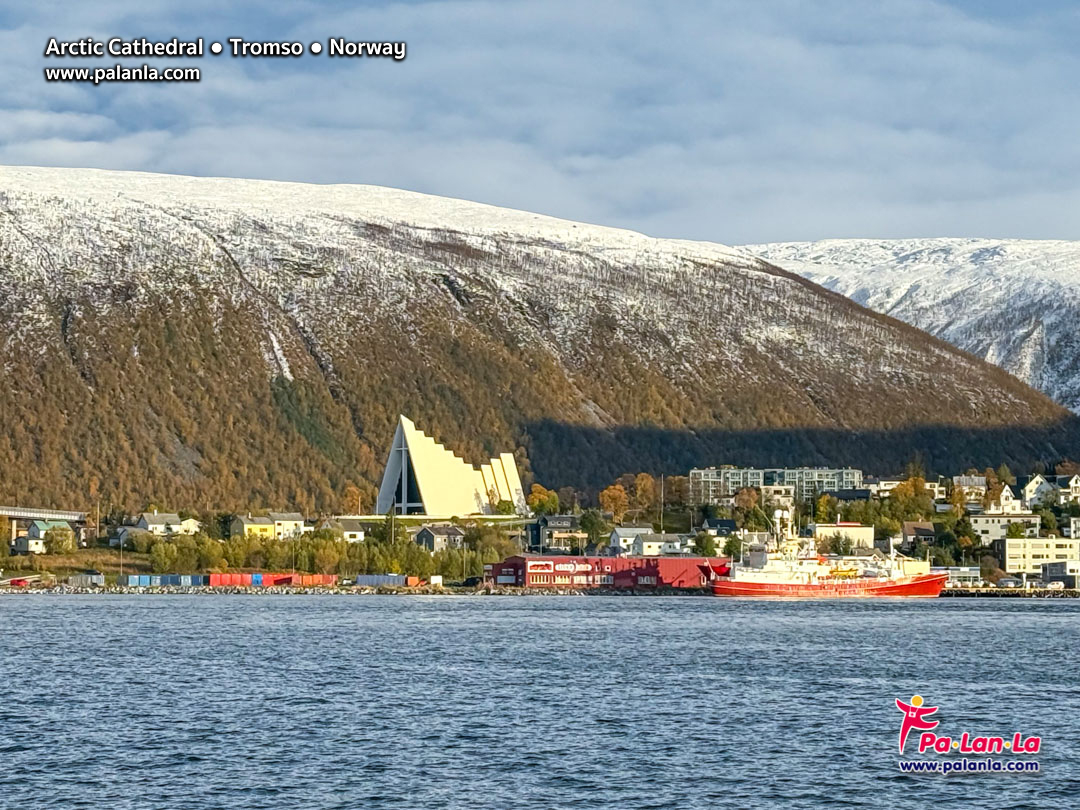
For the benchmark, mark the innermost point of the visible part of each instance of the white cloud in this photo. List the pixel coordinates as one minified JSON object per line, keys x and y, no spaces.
{"x":735,"y":121}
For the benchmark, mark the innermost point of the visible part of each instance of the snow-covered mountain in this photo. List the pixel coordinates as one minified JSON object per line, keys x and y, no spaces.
{"x":1014,"y":302}
{"x":236,"y":343}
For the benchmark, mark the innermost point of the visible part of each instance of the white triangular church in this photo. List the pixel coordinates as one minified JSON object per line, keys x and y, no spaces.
{"x":424,"y":478}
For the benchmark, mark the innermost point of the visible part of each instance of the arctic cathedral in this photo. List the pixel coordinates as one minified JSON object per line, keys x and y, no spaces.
{"x":424,"y":478}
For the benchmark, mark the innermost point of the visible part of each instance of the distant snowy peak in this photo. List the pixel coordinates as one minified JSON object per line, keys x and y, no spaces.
{"x":1015,"y":303}
{"x":374,"y":204}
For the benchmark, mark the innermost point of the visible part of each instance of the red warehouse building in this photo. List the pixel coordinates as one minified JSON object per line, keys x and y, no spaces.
{"x":543,"y":571}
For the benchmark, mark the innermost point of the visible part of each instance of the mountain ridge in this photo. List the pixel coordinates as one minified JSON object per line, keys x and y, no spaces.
{"x":233,"y":343}
{"x":1008,"y":301}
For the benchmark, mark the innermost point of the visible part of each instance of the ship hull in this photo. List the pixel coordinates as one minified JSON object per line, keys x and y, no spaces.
{"x":925,"y":586}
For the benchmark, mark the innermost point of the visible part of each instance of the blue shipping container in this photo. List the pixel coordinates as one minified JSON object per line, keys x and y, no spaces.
{"x":185,"y":580}
{"x":131,"y":580}
{"x":155,"y":580}
{"x":144,"y":580}
{"x":171,"y":579}
{"x":256,"y":579}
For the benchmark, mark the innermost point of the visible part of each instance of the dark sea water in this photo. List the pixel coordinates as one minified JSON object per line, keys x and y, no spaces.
{"x":474,"y":702}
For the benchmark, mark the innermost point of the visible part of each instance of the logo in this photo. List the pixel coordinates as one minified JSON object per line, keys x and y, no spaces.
{"x":915,"y":715}
{"x":918,"y":717}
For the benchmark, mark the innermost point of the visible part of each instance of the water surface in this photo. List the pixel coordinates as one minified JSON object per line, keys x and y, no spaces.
{"x":476,"y":702}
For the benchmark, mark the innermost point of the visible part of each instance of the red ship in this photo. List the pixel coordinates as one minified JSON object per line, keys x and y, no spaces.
{"x":798,"y":572}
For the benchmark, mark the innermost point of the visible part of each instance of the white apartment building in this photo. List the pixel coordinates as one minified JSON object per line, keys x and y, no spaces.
{"x":1027,"y":555}
{"x":991,"y":527}
{"x":710,"y":485}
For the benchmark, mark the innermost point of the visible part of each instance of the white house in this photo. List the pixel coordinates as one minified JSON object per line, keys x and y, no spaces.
{"x":1036,"y":490}
{"x":973,"y":487}
{"x":352,"y":530}
{"x":164,"y":523}
{"x":621,"y":540}
{"x":1068,"y":489}
{"x":25,"y":544}
{"x":288,"y":525}
{"x":653,"y":545}
{"x":1006,"y":503}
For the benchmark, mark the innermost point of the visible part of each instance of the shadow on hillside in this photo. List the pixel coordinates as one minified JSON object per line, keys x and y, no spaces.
{"x":588,"y":457}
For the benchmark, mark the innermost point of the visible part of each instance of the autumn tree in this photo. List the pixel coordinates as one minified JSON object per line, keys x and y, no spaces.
{"x":615,"y":501}
{"x":543,"y":501}
{"x":351,"y":500}
{"x":644,"y":491}
{"x":746,"y":498}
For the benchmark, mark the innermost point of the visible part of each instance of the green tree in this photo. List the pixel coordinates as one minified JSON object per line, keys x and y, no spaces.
{"x":1014,"y":530}
{"x":505,"y":507}
{"x":60,"y":541}
{"x":594,"y":525}
{"x":211,"y":556}
{"x":826,"y":509}
{"x":163,"y":555}
{"x":326,"y":556}
{"x":705,"y":544}
{"x":733,"y":547}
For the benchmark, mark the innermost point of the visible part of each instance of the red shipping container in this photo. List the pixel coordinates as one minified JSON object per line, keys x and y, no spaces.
{"x":245,"y":579}
{"x":215,"y":580}
{"x":412,"y":582}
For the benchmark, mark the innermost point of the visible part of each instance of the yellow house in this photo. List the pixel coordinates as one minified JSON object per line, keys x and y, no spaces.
{"x":258,"y":526}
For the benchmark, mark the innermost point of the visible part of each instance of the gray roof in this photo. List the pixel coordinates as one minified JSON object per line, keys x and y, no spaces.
{"x":294,"y":516}
{"x":161,"y":518}
{"x":256,"y":520}
{"x":631,"y":531}
{"x":444,"y":531}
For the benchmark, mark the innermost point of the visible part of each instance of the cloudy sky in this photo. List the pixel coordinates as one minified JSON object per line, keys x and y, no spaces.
{"x":765,"y":120}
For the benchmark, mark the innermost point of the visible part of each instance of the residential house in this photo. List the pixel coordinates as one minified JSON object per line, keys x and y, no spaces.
{"x":261,"y":527}
{"x":25,"y":544}
{"x":125,"y":536}
{"x":557,"y":531}
{"x":350,"y":529}
{"x":1026,"y":555}
{"x":1068,"y":489}
{"x":973,"y":487}
{"x":621,"y":540}
{"x":655,"y":545}
{"x":719,"y":527}
{"x":288,"y":525}
{"x":1006,"y":503}
{"x":165,"y":523}
{"x":439,"y":538}
{"x":39,"y":528}
{"x":1036,"y":490}
{"x":989,"y":528}
{"x":914,"y":532}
